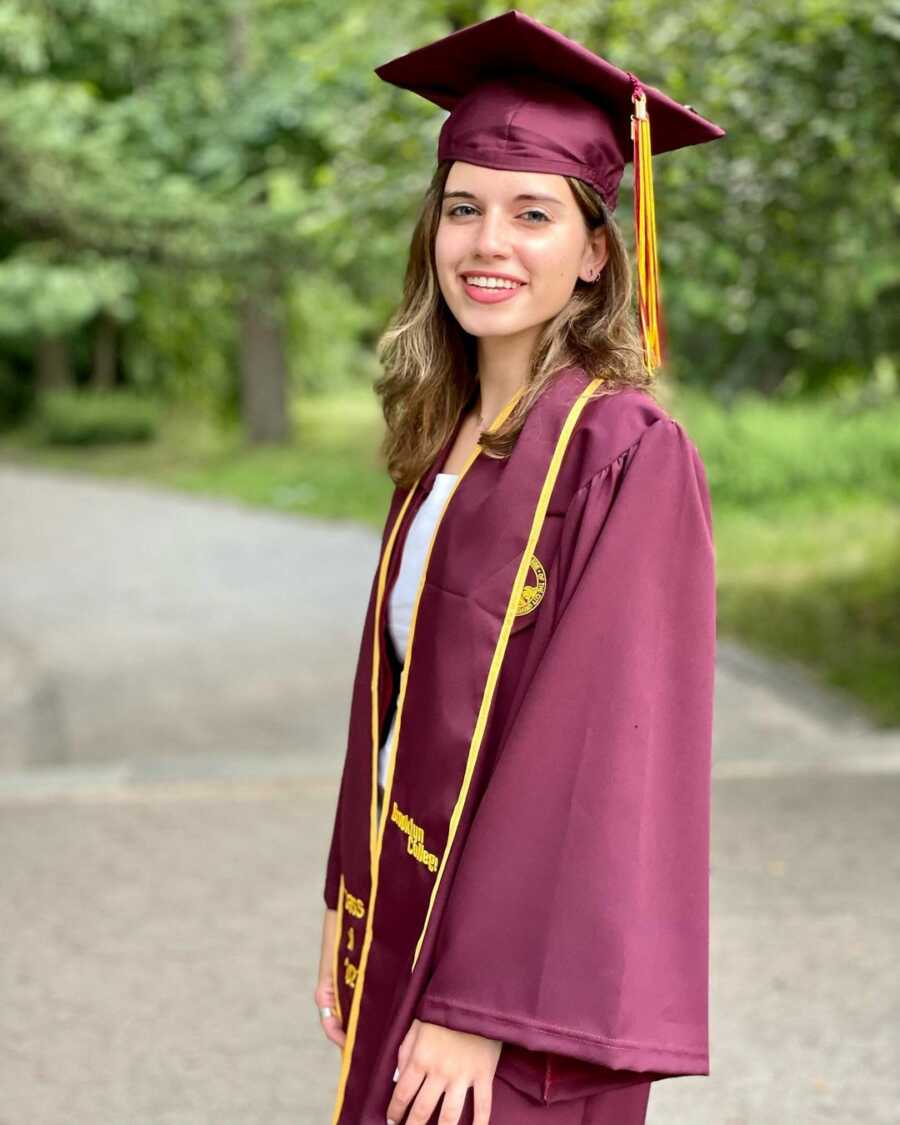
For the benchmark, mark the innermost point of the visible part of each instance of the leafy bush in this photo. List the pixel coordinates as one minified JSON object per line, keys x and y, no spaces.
{"x":91,"y":418}
{"x":759,"y":451}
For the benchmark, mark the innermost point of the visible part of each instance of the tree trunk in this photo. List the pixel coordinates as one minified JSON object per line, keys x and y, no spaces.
{"x":103,"y":373}
{"x":54,"y":372}
{"x":263,"y":368}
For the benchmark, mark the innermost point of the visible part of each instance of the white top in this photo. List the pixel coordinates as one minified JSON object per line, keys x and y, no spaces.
{"x":403,"y":594}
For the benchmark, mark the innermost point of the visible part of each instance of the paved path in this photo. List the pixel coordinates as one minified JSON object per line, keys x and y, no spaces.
{"x":174,"y":683}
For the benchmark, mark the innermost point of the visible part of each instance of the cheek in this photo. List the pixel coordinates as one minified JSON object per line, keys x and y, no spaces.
{"x":548,"y":261}
{"x":446,"y":247}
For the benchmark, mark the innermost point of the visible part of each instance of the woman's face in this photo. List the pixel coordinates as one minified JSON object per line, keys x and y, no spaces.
{"x":488,"y":226}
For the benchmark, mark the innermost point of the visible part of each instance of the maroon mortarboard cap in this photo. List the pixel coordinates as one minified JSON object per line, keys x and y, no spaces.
{"x":524,"y":97}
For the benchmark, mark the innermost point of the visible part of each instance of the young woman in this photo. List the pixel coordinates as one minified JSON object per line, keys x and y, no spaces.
{"x":516,"y":925}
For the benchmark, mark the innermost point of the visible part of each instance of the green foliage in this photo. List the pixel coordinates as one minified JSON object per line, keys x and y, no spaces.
{"x":141,"y":143}
{"x":777,"y":246}
{"x":88,"y":418}
{"x":156,"y":160}
{"x":153,"y":153}
{"x":165,"y":352}
{"x":41,"y":296}
{"x":761,"y":452}
{"x":777,"y":241}
{"x":326,"y":323}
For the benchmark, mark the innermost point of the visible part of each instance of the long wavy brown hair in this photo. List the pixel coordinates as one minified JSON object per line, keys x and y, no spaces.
{"x":429,"y":361}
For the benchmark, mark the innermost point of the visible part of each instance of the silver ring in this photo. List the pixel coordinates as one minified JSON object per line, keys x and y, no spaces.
{"x":325,"y":1013}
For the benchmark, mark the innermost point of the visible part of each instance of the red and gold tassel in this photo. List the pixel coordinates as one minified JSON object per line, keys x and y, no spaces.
{"x":653,"y":330}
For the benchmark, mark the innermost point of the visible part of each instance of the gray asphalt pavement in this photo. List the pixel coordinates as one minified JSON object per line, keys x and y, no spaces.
{"x":174,"y":682}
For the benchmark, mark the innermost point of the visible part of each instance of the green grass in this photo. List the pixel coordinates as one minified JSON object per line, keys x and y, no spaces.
{"x":806,"y":512}
{"x":821,"y":586}
{"x":806,"y":507}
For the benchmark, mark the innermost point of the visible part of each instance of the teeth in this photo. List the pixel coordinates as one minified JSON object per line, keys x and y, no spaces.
{"x":493,"y":282}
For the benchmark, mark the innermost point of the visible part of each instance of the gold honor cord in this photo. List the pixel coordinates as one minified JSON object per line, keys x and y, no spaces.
{"x":376,"y":849}
{"x":500,"y":649}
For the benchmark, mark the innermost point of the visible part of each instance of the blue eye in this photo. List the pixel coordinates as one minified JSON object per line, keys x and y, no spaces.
{"x":467,"y":206}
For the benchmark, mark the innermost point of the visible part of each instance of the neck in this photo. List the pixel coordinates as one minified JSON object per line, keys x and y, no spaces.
{"x":503,"y":363}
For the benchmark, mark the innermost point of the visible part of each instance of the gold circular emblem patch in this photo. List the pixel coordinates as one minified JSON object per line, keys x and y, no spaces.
{"x":532,"y":594}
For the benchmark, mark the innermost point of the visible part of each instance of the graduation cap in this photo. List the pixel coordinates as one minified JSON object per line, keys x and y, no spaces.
{"x":522,"y":96}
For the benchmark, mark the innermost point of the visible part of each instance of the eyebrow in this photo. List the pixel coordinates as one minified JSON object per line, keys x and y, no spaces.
{"x":524,"y":195}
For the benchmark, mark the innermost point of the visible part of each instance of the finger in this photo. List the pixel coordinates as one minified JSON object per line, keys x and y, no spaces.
{"x":483,"y":1093}
{"x":406,"y":1046}
{"x":426,"y":1100}
{"x":325,"y":990}
{"x":454,"y":1101}
{"x":334,"y":1029}
{"x":408,"y":1083}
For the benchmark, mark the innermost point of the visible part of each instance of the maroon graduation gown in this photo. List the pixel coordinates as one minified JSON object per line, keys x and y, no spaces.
{"x":540,"y":871}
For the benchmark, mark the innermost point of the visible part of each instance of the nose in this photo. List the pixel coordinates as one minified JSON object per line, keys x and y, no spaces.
{"x":492,"y":237}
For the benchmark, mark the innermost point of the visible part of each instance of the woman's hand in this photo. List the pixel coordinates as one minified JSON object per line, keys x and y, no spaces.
{"x":326,"y":989}
{"x":443,"y":1061}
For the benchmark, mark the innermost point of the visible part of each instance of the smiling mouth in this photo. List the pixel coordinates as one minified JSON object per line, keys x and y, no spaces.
{"x":491,"y":294}
{"x":500,"y":282}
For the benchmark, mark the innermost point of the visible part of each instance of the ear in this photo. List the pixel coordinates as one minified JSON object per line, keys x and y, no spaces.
{"x":595,"y":255}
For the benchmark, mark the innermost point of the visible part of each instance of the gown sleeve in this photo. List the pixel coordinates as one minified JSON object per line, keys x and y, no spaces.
{"x":331,"y":889}
{"x":577,"y":922}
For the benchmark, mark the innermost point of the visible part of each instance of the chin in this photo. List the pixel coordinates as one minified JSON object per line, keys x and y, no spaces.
{"x":483,"y":328}
{"x":507,"y":319}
